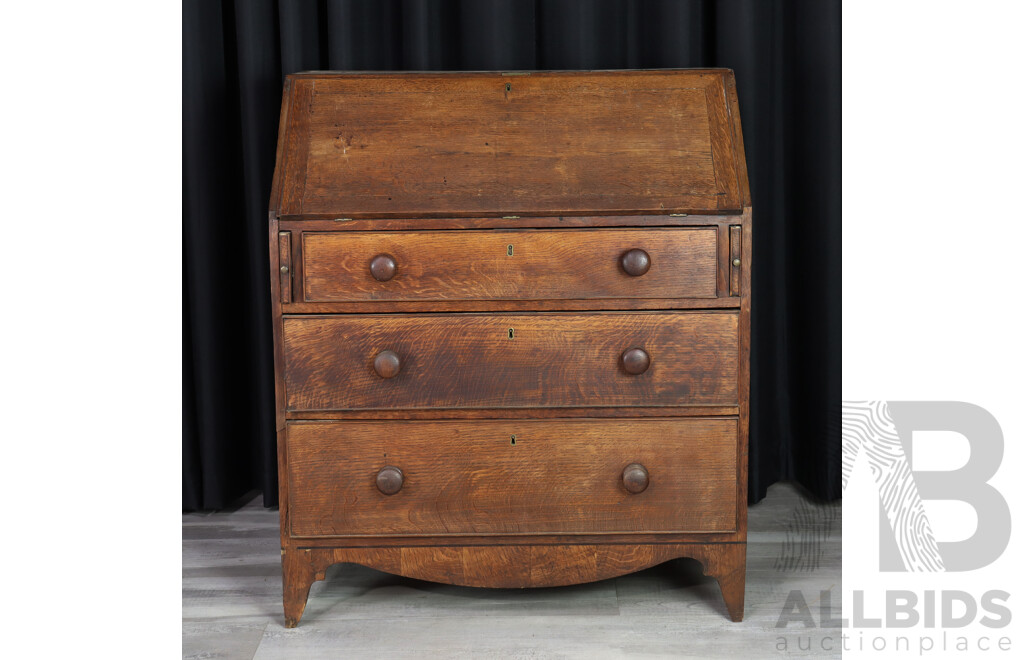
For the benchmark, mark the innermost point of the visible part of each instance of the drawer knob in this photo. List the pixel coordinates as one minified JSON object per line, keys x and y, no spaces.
{"x":635,"y":478}
{"x":389,"y":480}
{"x":387,"y":364}
{"x":636,"y":361}
{"x":383,"y":267}
{"x":636,"y":262}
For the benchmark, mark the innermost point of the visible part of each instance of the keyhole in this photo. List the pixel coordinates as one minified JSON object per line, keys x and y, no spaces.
{"x":509,"y":251}
{"x":508,"y":87}
{"x":513,"y":441}
{"x":511,"y":333}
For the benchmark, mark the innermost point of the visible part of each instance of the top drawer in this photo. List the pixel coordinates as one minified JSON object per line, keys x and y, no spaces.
{"x":509,"y":265}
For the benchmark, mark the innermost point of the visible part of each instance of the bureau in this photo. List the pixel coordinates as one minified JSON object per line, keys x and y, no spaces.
{"x":511,"y":326}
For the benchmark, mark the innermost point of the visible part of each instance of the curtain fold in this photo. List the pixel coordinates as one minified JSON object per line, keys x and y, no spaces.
{"x":786,"y":54}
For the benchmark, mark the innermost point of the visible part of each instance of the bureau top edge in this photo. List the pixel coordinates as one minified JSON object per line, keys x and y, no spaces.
{"x":525,"y":220}
{"x":465,"y":144}
{"x":501,"y":73}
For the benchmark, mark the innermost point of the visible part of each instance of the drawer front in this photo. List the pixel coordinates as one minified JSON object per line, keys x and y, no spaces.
{"x":468,"y":477}
{"x":508,"y":265}
{"x":510,"y":360}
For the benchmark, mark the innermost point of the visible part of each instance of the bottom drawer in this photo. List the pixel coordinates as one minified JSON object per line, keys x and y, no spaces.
{"x":471,"y":477}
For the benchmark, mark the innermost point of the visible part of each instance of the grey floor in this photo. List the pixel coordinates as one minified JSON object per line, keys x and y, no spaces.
{"x":231,"y":600}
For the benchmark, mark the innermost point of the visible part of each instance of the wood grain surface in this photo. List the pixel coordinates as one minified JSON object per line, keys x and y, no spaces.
{"x":735,"y":259}
{"x":516,"y":566}
{"x":285,"y":269}
{"x":231,"y":577}
{"x":510,"y":360}
{"x":476,"y":374}
{"x":388,"y":145}
{"x":509,"y":265}
{"x":511,"y":477}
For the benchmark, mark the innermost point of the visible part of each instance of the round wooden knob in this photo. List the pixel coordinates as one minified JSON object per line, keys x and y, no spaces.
{"x":636,"y":262}
{"x":635,"y":478}
{"x":383,"y":267}
{"x":636,"y":361}
{"x":389,"y":480}
{"x":387,"y":364}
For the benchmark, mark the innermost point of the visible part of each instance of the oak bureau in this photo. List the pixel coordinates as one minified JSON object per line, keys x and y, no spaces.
{"x":511,"y":326}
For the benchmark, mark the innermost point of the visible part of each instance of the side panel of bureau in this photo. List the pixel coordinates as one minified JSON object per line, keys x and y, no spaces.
{"x":509,"y":265}
{"x":511,"y":360}
{"x":469,"y":477}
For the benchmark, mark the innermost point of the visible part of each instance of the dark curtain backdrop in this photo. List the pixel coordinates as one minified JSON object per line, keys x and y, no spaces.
{"x":786,"y":55}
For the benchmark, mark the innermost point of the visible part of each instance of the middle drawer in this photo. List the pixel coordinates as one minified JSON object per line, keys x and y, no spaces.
{"x":407,"y":361}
